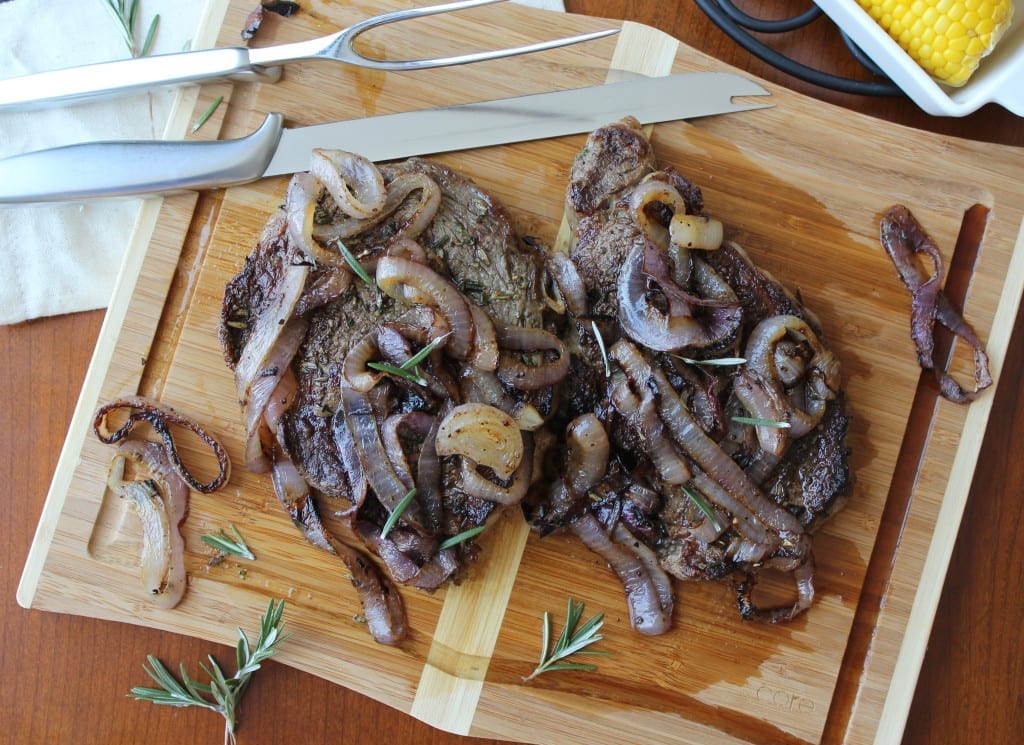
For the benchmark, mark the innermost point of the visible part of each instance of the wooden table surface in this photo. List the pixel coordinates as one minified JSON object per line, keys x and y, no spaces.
{"x":65,"y":678}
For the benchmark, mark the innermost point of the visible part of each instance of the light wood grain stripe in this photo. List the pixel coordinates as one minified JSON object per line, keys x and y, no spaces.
{"x":453,"y":678}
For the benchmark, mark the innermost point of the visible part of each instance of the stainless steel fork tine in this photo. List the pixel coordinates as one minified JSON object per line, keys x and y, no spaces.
{"x":343,"y":47}
{"x":59,"y":86}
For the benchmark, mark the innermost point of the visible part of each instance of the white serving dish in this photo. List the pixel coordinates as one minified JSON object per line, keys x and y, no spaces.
{"x":999,"y":78}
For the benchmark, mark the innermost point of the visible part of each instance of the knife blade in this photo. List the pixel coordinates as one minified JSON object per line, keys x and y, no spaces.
{"x":138,"y":167}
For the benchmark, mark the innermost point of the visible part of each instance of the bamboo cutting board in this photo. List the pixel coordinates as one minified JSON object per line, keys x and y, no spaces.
{"x":801,"y":186}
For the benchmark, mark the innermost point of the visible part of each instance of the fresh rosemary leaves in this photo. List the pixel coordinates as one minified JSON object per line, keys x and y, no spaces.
{"x":760,"y":422}
{"x":458,"y":538}
{"x":353,"y":263}
{"x":397,"y":512}
{"x":703,"y":506}
{"x":408,"y":370}
{"x":571,"y":641}
{"x":234,"y":545}
{"x":126,"y":14}
{"x":221,"y":694}
{"x":207,"y":114}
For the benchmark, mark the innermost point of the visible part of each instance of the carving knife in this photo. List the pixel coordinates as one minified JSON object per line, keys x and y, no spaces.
{"x":137,"y":167}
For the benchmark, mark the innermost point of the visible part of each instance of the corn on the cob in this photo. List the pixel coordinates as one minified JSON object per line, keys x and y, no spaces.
{"x":948,"y":38}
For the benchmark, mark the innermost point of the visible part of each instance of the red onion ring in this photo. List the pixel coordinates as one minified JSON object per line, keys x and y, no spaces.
{"x":159,"y":416}
{"x":163,"y":555}
{"x":902,"y":237}
{"x":412,"y":282}
{"x":514,"y":372}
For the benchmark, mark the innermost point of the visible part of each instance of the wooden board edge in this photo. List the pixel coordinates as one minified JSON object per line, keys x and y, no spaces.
{"x":912,"y":650}
{"x":211,"y":19}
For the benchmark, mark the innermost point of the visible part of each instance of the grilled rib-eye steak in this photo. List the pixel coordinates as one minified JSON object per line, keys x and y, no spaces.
{"x":709,"y":434}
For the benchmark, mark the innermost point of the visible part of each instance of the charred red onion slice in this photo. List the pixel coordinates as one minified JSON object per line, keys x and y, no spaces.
{"x":159,"y":416}
{"x":411,"y":223}
{"x":654,"y":192}
{"x":704,"y":451}
{"x":274,"y":338}
{"x":380,"y":473}
{"x":161,"y":502}
{"x":804,"y":576}
{"x":300,"y":208}
{"x":760,"y":389}
{"x":902,"y":237}
{"x":649,"y":600}
{"x":416,"y":424}
{"x":428,"y":575}
{"x":476,"y":484}
{"x":353,"y":182}
{"x":382,"y":605}
{"x":641,"y":415}
{"x":263,"y":385}
{"x":643,"y":597}
{"x":413,"y":282}
{"x":645,"y":323}
{"x":355,"y":370}
{"x":514,"y":372}
{"x":485,"y":340}
{"x":588,"y":452}
{"x":569,"y":283}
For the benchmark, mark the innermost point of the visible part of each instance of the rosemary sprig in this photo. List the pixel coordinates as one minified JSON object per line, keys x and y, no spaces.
{"x":720,"y":361}
{"x":397,"y":512}
{"x":207,"y":114}
{"x":412,"y":376}
{"x":408,"y":369}
{"x":600,"y":345}
{"x":353,"y":263}
{"x":235,"y":546}
{"x":761,"y":422}
{"x":703,"y":506}
{"x":458,"y":538}
{"x":221,"y":694}
{"x":571,"y":641}
{"x":126,"y":13}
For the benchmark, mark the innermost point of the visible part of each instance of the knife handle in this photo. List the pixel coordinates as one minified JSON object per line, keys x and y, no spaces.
{"x":120,"y":76}
{"x":134,"y":167}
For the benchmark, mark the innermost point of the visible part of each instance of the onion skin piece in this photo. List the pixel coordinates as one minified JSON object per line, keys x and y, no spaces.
{"x":382,"y":605}
{"x":161,"y":503}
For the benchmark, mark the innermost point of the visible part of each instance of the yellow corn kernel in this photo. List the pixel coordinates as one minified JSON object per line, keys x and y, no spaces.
{"x":947,"y":38}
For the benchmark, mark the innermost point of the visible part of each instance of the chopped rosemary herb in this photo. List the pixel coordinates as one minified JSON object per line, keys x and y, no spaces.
{"x":353,"y":263}
{"x":223,"y":542}
{"x":761,"y":422}
{"x":397,"y":512}
{"x":207,"y":114}
{"x":465,"y":535}
{"x":703,"y":506}
{"x":571,"y":641}
{"x":600,"y":345}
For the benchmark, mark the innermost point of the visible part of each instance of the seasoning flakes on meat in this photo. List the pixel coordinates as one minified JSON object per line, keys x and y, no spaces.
{"x":710,"y":437}
{"x":383,"y":308}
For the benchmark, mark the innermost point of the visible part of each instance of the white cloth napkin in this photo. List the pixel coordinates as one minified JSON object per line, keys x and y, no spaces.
{"x":65,"y":258}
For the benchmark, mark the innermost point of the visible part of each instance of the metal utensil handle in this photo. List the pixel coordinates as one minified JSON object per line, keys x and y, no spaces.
{"x":132,"y":167}
{"x":104,"y":78}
